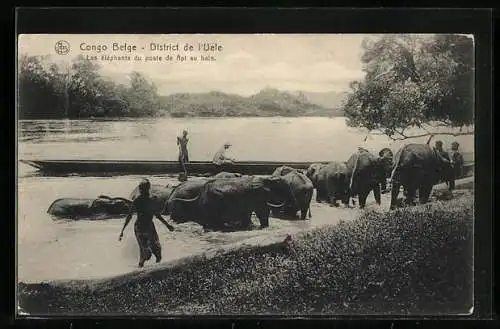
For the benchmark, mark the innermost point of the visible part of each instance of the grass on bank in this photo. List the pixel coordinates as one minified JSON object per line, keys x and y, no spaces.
{"x":411,"y":260}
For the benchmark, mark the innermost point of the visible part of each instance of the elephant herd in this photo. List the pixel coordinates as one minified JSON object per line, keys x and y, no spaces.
{"x":228,"y":200}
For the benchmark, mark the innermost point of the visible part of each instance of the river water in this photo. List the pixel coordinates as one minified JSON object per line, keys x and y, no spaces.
{"x":50,"y":250}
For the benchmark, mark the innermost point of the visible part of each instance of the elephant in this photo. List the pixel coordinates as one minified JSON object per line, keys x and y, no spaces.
{"x":225,"y":174}
{"x":215,"y":203}
{"x":366,"y":173}
{"x":182,"y":205}
{"x":418,"y":167}
{"x":159,"y":193}
{"x":312,"y":173}
{"x":332,"y":183}
{"x":86,"y":208}
{"x":301,"y":190}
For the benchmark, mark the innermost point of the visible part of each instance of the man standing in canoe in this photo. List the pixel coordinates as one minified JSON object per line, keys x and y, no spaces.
{"x":144,"y":228}
{"x":183,"y":152}
{"x":220,"y":157}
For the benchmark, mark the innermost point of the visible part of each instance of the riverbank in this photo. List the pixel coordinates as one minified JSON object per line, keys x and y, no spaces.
{"x":416,"y":259}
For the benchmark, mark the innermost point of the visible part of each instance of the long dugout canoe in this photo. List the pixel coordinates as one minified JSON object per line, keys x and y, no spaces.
{"x":157,"y":167}
{"x":124,"y":167}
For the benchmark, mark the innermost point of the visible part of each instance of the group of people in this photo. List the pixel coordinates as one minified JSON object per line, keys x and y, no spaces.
{"x":219,"y":158}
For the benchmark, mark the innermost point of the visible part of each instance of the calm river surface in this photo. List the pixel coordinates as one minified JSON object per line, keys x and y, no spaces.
{"x":49,"y":250}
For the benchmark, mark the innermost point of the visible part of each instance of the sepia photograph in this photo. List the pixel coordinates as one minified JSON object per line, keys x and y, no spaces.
{"x":245,"y":174}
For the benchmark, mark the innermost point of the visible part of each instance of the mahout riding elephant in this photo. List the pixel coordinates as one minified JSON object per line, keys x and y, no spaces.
{"x":301,"y":191}
{"x":418,"y":167}
{"x":218,"y":203}
{"x":225,"y":174}
{"x":312,"y":173}
{"x":366,"y":173}
{"x":159,"y":193}
{"x":87,"y":208}
{"x":332,"y":183}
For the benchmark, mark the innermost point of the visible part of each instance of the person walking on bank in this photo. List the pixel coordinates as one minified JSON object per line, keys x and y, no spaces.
{"x":457,"y":161}
{"x":144,"y":228}
{"x":183,"y":151}
{"x":438,"y":148}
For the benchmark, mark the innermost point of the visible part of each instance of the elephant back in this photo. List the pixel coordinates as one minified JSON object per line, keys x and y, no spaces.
{"x":334,"y":167}
{"x":298,"y":180}
{"x":416,"y":156}
{"x":62,"y":205}
{"x":225,"y":174}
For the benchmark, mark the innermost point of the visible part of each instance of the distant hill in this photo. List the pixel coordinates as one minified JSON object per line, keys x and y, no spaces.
{"x":329,"y":100}
{"x":267,"y":102}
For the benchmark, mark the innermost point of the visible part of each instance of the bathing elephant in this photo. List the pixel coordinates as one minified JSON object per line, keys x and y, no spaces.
{"x":333,"y":183}
{"x":182,"y":205}
{"x":159,"y":193}
{"x":219,"y":203}
{"x":418,"y":167}
{"x":301,"y":190}
{"x":225,"y":174}
{"x":86,"y":208}
{"x":312,"y":173}
{"x":366,"y":173}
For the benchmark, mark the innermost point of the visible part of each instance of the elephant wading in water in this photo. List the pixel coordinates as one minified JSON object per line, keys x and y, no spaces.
{"x":417,"y":167}
{"x":332,"y":183}
{"x":366,"y":173}
{"x":182,"y":204}
{"x":75,"y":208}
{"x":300,"y":192}
{"x":312,"y":173}
{"x":219,"y":203}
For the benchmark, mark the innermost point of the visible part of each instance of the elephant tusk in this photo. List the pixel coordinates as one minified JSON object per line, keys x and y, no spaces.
{"x":186,"y":200}
{"x":276,"y":205}
{"x":104,"y":197}
{"x":122,"y":199}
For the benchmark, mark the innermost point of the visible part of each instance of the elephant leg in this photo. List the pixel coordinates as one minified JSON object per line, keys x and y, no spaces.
{"x":363,"y":194}
{"x":424,"y":192}
{"x":411,"y":191}
{"x":263,"y":216}
{"x":396,"y":185}
{"x":306,"y":206}
{"x":376,"y":193}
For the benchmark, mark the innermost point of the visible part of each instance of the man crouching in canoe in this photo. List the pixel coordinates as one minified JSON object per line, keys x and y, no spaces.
{"x":220,"y":157}
{"x":144,"y":228}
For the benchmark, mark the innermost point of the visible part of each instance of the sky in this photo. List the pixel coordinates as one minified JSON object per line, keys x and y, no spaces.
{"x":246,"y":63}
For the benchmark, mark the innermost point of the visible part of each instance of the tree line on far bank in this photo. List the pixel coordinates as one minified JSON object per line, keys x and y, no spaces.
{"x":48,"y":90}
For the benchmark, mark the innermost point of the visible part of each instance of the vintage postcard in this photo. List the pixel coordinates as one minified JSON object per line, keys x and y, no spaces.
{"x":245,"y":174}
